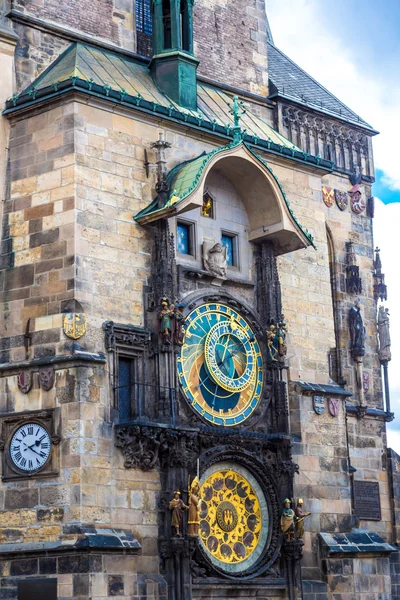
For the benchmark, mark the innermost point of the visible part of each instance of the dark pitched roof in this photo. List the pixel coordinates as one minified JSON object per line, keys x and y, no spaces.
{"x":288,"y":80}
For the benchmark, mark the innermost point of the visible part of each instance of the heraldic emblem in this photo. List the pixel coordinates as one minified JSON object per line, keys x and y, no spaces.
{"x":46,"y":378}
{"x":319,"y":404}
{"x":357,"y":202}
{"x":342,"y":199}
{"x":24,"y":381}
{"x":74,"y":325}
{"x":334,"y":406}
{"x":328,"y":196}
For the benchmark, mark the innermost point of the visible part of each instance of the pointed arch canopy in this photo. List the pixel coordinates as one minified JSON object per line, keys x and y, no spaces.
{"x":269,"y":213}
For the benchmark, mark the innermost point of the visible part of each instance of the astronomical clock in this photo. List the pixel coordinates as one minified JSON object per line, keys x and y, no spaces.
{"x":220,"y":366}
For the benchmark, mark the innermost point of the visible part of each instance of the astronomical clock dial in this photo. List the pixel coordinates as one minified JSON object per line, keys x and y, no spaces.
{"x":234,"y":518}
{"x":220,"y":366}
{"x":30,"y":447}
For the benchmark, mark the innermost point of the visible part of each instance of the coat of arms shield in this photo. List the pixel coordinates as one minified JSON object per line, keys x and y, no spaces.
{"x":328,"y":196}
{"x":342,"y":199}
{"x":319,"y":404}
{"x":74,"y":325}
{"x":46,"y":378}
{"x":334,"y":406}
{"x":24,"y":381}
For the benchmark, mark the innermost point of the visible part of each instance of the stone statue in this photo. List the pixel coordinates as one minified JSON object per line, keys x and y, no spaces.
{"x":194,"y":508}
{"x":165,"y":317}
{"x":357,"y":331}
{"x":300,"y":516}
{"x":384,"y":334}
{"x":176,"y":506}
{"x":215,"y":260}
{"x":180,"y":322}
{"x":287,"y":521}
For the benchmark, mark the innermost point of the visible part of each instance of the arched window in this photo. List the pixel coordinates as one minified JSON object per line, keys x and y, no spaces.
{"x":335,"y":359}
{"x":144,"y":27}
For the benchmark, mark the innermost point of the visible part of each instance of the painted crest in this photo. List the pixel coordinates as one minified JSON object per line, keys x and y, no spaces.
{"x":24,"y":381}
{"x":342,"y":199}
{"x":366,"y":381}
{"x":75,"y":325}
{"x":334,"y":406}
{"x":328,"y":196}
{"x":46,"y":378}
{"x":357,"y":202}
{"x":319,"y":404}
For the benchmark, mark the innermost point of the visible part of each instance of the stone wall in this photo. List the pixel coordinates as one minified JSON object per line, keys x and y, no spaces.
{"x":230,"y":42}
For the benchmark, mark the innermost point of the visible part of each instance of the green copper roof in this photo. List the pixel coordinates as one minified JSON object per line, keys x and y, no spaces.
{"x":186,"y":177}
{"x":126,"y":81}
{"x":116,"y":72}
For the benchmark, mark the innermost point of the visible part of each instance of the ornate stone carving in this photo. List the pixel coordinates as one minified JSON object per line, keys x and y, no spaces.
{"x":149,"y":446}
{"x":164,"y":283}
{"x":380,"y":288}
{"x":125,"y":336}
{"x":214,"y":257}
{"x":268,"y":289}
{"x":346,"y":147}
{"x":46,"y":378}
{"x":353,"y":280}
{"x":384,"y":335}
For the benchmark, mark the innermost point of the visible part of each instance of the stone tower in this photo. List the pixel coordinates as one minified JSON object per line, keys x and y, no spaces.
{"x":185,"y":234}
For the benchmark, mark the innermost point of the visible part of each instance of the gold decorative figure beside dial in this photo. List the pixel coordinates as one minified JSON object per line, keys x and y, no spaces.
{"x":220,"y":367}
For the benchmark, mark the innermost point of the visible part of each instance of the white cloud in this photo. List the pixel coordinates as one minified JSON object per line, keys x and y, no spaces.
{"x":328,"y":58}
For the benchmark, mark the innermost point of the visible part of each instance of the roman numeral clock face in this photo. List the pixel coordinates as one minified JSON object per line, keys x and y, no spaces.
{"x":220,"y":366}
{"x":30,"y":447}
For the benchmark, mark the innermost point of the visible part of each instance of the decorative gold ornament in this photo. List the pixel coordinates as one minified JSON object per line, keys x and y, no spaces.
{"x":74,"y":325}
{"x":230,"y":517}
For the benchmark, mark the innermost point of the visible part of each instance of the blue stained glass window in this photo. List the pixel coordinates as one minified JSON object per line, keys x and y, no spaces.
{"x":183,"y":235}
{"x":227,"y":241}
{"x":144,"y":27}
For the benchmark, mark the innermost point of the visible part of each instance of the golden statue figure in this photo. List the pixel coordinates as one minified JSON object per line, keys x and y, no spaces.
{"x":287,"y":521}
{"x":194,"y":508}
{"x":271,"y":342}
{"x":300,"y":516}
{"x":207,"y":206}
{"x":177,"y":506}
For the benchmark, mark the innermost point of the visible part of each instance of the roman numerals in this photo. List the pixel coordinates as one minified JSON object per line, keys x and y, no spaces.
{"x":30,"y":447}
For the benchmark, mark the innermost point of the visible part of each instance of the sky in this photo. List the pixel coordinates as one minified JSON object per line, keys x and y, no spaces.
{"x":353,"y":49}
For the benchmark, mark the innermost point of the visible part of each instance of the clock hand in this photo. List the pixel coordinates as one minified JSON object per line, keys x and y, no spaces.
{"x":34,"y":451}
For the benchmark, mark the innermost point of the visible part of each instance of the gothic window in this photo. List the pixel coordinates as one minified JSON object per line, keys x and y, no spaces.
{"x":128,"y":346}
{"x":144,"y":27}
{"x":230,"y":243}
{"x":185,"y":238}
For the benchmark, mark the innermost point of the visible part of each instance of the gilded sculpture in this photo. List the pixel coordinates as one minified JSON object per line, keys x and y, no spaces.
{"x":177,"y":506}
{"x":300,"y":516}
{"x":165,"y":317}
{"x":194,"y":508}
{"x":287,"y":521}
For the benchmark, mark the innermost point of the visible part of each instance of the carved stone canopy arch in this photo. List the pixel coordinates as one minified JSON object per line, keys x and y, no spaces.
{"x":269,"y":213}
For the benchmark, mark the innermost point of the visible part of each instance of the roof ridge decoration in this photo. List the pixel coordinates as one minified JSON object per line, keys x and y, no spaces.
{"x":122,"y":80}
{"x":185,"y":179}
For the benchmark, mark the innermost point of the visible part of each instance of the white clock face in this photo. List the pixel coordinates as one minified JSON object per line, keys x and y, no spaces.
{"x":30,"y":447}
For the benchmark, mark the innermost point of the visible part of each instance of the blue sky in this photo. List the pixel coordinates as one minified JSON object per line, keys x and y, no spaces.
{"x":353,"y":49}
